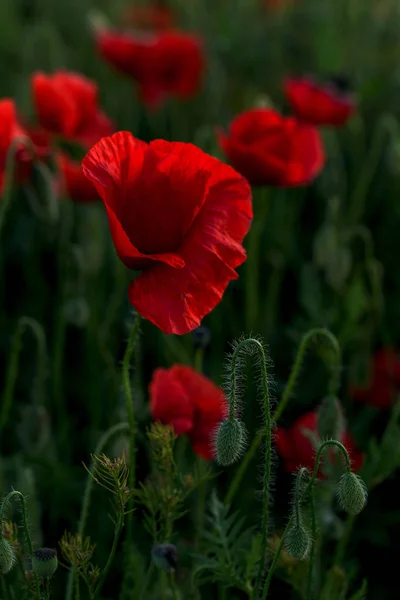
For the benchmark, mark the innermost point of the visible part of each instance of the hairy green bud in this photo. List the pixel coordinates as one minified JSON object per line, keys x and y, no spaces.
{"x":7,"y":556}
{"x":352,"y":493}
{"x":44,"y":562}
{"x":298,"y":541}
{"x":331,"y":423}
{"x":230,"y":441}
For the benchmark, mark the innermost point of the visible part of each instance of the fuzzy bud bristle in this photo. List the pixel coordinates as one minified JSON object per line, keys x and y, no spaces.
{"x":230,"y":441}
{"x":352,"y":493}
{"x":298,"y":541}
{"x":7,"y":556}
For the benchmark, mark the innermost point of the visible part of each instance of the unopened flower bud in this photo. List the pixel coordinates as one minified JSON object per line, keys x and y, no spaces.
{"x":298,"y":541}
{"x":230,"y":441}
{"x":165,"y":556}
{"x":352,"y":493}
{"x":44,"y":562}
{"x":331,"y":423}
{"x":7,"y":556}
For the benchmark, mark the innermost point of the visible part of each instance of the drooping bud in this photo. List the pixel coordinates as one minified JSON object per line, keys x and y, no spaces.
{"x":44,"y":562}
{"x":165,"y":556}
{"x":230,"y":441}
{"x":7,"y":556}
{"x":331,"y":422}
{"x":298,"y":541}
{"x":352,"y":493}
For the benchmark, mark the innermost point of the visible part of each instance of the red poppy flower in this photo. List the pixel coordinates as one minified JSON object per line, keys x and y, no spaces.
{"x":41,"y":141}
{"x":74,"y":182}
{"x":178,"y":215}
{"x":153,"y":17}
{"x":328,"y":104}
{"x":191,"y":403}
{"x":384,"y":386}
{"x":296,"y":449}
{"x":270,"y":149}
{"x":11,"y":132}
{"x":167,"y":63}
{"x":67,"y":105}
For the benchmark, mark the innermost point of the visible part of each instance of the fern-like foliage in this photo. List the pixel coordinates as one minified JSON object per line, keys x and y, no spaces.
{"x":384,"y":457}
{"x":231,"y":552}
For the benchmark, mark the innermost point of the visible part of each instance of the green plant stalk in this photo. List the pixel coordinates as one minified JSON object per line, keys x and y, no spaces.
{"x":232,"y":399}
{"x":341,"y":547}
{"x":173,"y":586}
{"x":274,"y":562}
{"x":117,"y":535}
{"x":47,"y":589}
{"x":253,"y":260}
{"x":126,"y":362}
{"x":146,"y":580}
{"x":312,"y":551}
{"x":6,"y":501}
{"x":332,"y":388}
{"x":105,"y":438}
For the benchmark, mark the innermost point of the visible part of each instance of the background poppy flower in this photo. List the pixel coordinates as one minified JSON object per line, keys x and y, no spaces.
{"x":328,"y":104}
{"x":73,"y":181}
{"x":190,"y":402}
{"x":296,"y":449}
{"x":269,"y":149}
{"x":67,"y":105}
{"x":11,"y":132}
{"x":177,"y":214}
{"x":384,"y":387}
{"x":167,"y":63}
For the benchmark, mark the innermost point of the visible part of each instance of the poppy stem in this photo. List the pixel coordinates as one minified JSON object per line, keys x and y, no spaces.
{"x":333,"y":388}
{"x":126,"y":362}
{"x":312,"y":551}
{"x":260,"y":204}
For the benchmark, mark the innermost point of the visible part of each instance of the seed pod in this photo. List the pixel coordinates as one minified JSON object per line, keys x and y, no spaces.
{"x":352,"y":493}
{"x":7,"y":556}
{"x":298,"y":541}
{"x":44,"y":562}
{"x":165,"y":556}
{"x":230,"y":441}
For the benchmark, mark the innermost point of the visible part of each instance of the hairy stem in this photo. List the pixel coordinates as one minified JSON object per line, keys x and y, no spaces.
{"x":312,"y":551}
{"x":117,"y":534}
{"x":3,"y":508}
{"x":274,"y":561}
{"x":332,"y":388}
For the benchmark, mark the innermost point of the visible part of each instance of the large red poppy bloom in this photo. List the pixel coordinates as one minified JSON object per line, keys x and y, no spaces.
{"x":12,"y":133}
{"x":67,"y":105}
{"x":73,"y":182}
{"x":176,"y":214}
{"x":165,"y":63}
{"x":384,"y":386}
{"x":328,"y":104}
{"x":191,"y":403}
{"x":296,"y":449}
{"x":269,"y":149}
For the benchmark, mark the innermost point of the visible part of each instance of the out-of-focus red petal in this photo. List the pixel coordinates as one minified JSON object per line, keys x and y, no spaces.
{"x":170,"y":402}
{"x":94,"y":129}
{"x":73,"y":181}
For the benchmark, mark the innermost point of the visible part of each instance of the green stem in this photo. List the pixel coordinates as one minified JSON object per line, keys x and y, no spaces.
{"x":117,"y":534}
{"x":332,"y":388}
{"x":126,"y":363}
{"x":253,"y":260}
{"x":274,"y":562}
{"x":312,"y":551}
{"x":252,"y":345}
{"x":341,"y":547}
{"x":146,"y":580}
{"x":3,"y":508}
{"x":105,"y":438}
{"x":173,"y":586}
{"x":47,"y":589}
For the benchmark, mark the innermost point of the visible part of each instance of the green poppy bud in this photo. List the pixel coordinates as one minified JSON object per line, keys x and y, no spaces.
{"x":44,"y":562}
{"x":298,"y":541}
{"x":7,"y":556}
{"x":230,"y":441}
{"x":165,"y":556}
{"x":352,"y":493}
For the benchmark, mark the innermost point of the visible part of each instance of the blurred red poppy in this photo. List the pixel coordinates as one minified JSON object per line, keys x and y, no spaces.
{"x":177,"y":214}
{"x":67,"y":105}
{"x":12,"y":133}
{"x":154,"y":17}
{"x":329,"y":104}
{"x":384,"y":386}
{"x":191,"y":403}
{"x":41,"y":141}
{"x":297,"y":450}
{"x":269,"y":149}
{"x":167,"y":63}
{"x":73,"y":181}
